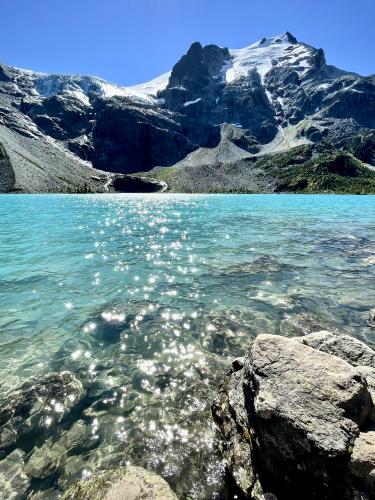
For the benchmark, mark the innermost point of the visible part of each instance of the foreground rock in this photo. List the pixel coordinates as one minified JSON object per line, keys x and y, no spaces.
{"x":37,"y":405}
{"x":130,"y":483}
{"x":297,"y":422}
{"x":345,"y":347}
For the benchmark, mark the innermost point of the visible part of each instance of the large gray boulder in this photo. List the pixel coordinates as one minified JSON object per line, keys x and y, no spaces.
{"x":362,"y":460}
{"x":294,"y":420}
{"x":130,"y":483}
{"x":345,"y":347}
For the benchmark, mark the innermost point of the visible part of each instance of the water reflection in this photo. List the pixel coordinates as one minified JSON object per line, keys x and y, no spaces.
{"x":148,"y":299}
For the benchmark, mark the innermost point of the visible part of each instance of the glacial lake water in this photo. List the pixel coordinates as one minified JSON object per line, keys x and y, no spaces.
{"x":148,"y":298}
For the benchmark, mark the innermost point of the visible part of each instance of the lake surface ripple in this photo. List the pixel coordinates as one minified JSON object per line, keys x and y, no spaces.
{"x":148,"y":298}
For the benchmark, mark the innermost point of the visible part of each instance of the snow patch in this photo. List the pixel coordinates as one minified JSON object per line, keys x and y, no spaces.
{"x":111,"y":90}
{"x":154,"y":86}
{"x":280,"y":100}
{"x":80,"y":95}
{"x":189,"y":103}
{"x":260,"y":55}
{"x":81,"y":86}
{"x":323,"y":86}
{"x":177,"y":87}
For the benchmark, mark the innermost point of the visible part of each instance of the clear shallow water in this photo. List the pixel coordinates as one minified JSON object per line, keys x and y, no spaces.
{"x":148,"y":298}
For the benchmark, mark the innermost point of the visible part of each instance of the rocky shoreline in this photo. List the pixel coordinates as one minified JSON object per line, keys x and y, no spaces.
{"x":34,"y":409}
{"x":296,"y":418}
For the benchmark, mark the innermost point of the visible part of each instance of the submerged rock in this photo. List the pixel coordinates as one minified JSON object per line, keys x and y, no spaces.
{"x":37,"y":404}
{"x":44,"y":461}
{"x":372,"y":317}
{"x":13,"y":481}
{"x":52,"y":457}
{"x":296,"y":422}
{"x":130,"y":483}
{"x":79,"y":438}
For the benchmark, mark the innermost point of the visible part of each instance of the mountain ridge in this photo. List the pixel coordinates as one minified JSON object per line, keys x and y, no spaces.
{"x":268,"y":98}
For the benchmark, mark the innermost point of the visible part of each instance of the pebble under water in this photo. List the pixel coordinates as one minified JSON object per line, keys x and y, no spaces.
{"x":147,"y":299}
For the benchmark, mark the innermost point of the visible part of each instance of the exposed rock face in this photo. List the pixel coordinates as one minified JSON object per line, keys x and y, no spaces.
{"x":296,"y":421}
{"x":35,"y":163}
{"x":57,"y":116}
{"x":4,"y":74}
{"x":197,"y":89}
{"x":195,"y":75}
{"x":130,"y":483}
{"x":7,"y":178}
{"x":353,"y":96}
{"x":275,"y":95}
{"x":129,"y":138}
{"x":37,"y":404}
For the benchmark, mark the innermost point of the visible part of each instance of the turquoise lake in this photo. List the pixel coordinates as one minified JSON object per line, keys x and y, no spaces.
{"x":148,"y":299}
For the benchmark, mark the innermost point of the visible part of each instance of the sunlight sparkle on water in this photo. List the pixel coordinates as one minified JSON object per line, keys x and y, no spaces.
{"x":148,"y":299}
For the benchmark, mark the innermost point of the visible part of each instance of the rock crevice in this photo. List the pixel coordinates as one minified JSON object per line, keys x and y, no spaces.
{"x":296,"y":417}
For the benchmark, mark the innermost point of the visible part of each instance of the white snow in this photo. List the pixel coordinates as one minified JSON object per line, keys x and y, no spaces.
{"x":354,"y":90}
{"x":80,"y":95}
{"x":259,"y":56}
{"x":188,"y":103}
{"x":323,"y":86}
{"x":154,"y":86}
{"x":112,"y":90}
{"x":80,"y":86}
{"x":269,"y":95}
{"x":177,"y":87}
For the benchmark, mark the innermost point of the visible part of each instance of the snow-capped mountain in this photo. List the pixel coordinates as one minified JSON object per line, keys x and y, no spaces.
{"x":271,"y":96}
{"x":82,"y":87}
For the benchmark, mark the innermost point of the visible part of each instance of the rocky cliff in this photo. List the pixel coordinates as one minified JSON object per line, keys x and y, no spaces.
{"x":216,"y":114}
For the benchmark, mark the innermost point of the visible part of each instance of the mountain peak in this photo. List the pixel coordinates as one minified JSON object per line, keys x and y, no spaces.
{"x":286,"y":38}
{"x":290,"y":37}
{"x":194,"y":48}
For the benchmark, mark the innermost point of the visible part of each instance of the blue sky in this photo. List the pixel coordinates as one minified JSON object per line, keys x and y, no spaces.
{"x":131,"y":41}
